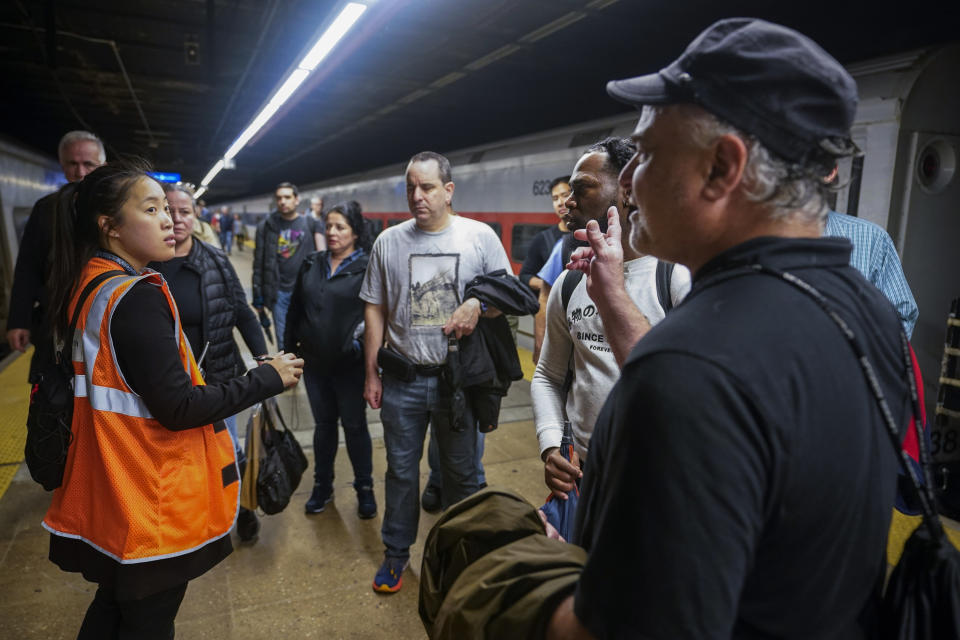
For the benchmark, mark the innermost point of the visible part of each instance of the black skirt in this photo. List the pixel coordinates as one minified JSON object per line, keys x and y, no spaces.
{"x":136,"y":581}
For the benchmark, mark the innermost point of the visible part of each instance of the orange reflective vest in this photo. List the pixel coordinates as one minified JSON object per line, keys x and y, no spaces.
{"x":133,"y":489}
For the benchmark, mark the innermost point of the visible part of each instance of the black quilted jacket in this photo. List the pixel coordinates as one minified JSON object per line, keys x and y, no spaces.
{"x":224,"y":307}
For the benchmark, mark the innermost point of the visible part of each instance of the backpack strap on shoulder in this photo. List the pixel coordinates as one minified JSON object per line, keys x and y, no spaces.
{"x":63,"y":350}
{"x":87,"y":290}
{"x":664,"y":273}
{"x":570,"y":283}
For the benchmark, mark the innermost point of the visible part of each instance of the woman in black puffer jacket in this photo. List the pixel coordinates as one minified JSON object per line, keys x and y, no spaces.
{"x":325,"y":325}
{"x":211,"y":302}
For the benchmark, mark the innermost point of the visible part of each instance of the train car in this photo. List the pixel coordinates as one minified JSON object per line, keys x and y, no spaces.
{"x":504,"y":184}
{"x":907,"y":125}
{"x":25,"y":177}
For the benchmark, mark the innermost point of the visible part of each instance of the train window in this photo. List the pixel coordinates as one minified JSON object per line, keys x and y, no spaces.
{"x":375,"y":225}
{"x":395,"y":221}
{"x":521,"y":238}
{"x":497,"y":228}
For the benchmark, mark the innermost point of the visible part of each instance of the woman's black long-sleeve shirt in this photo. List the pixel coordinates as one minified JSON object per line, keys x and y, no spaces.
{"x":148,"y":355}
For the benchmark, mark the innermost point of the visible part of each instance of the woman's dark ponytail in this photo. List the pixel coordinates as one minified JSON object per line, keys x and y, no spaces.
{"x":67,"y":257}
{"x":76,"y":236}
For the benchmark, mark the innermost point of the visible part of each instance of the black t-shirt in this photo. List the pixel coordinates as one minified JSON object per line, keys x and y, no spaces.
{"x":294,"y":243}
{"x":538,"y":252}
{"x":740,"y":481}
{"x":185,"y":287}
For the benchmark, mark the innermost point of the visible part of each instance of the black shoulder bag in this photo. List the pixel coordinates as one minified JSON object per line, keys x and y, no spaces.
{"x":282,"y":462}
{"x":922,"y":597}
{"x":50,"y":416}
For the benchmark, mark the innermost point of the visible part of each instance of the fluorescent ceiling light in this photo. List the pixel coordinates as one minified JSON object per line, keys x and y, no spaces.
{"x":287,"y":88}
{"x":200,"y":192}
{"x":324,"y":45}
{"x":295,"y":80}
{"x":213,"y":172}
{"x":350,"y":14}
{"x":251,"y":130}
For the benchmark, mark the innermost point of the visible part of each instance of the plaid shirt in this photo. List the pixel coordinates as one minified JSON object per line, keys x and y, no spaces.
{"x":876,"y":258}
{"x":350,"y":258}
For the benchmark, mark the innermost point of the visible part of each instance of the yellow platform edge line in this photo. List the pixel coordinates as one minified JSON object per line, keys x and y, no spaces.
{"x":14,"y":401}
{"x":526,"y":363}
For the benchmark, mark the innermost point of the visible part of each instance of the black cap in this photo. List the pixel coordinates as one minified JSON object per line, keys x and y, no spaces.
{"x":765,"y":79}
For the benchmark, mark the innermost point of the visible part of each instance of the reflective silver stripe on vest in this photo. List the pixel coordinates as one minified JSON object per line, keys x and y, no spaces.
{"x":110,"y":399}
{"x":106,"y":398}
{"x":164,"y":556}
{"x":76,"y":349}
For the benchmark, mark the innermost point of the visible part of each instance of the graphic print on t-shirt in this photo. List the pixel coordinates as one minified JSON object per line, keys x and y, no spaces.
{"x":289,"y":241}
{"x":433,"y":288}
{"x":593,"y":340}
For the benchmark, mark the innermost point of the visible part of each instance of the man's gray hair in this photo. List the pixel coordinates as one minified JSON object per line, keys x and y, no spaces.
{"x":80,"y":136}
{"x":789,"y":189}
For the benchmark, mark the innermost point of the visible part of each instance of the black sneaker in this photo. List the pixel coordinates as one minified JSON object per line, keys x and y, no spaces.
{"x":366,"y":503}
{"x":319,"y":499}
{"x":431,"y":500}
{"x":248,"y":525}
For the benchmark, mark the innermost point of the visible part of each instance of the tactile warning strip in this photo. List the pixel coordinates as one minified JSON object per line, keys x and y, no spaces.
{"x":526,"y":363}
{"x":14,"y":398}
{"x":902,"y":526}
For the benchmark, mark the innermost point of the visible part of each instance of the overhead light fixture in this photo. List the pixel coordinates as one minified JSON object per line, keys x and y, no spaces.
{"x":347,"y":17}
{"x":212,"y":173}
{"x":200,"y":192}
{"x":350,"y":14}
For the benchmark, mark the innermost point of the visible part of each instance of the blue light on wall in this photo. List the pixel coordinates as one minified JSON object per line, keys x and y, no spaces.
{"x":165,"y":177}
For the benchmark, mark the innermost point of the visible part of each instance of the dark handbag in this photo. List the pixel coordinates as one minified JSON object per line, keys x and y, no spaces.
{"x":50,"y":416}
{"x":922,"y":598}
{"x":282,"y":462}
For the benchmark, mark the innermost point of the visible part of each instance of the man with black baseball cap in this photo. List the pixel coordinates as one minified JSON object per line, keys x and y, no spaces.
{"x":740,"y":483}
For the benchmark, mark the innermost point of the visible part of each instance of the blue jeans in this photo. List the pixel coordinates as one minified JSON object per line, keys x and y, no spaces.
{"x":226,"y":240}
{"x":332,"y":396}
{"x":433,"y":457}
{"x":280,"y":315}
{"x":406,"y":410}
{"x":231,"y":422}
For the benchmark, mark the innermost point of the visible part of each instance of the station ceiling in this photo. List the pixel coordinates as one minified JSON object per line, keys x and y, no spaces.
{"x":413,"y":75}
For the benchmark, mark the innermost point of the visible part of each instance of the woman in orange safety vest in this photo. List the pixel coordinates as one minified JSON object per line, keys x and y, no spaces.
{"x":150,"y":488}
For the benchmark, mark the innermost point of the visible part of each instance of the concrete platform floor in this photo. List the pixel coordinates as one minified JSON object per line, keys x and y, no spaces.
{"x":304,"y":577}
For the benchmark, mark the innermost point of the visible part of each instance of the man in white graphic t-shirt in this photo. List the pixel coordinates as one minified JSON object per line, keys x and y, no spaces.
{"x":414,"y":293}
{"x":581,"y":357}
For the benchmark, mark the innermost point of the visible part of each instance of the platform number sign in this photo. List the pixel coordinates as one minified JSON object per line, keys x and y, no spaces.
{"x":541,"y":187}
